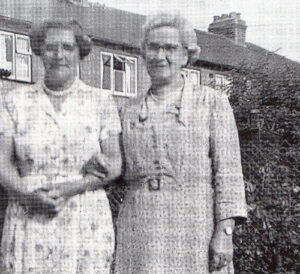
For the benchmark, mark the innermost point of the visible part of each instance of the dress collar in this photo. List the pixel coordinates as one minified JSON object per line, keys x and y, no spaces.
{"x":62,"y":93}
{"x":180,"y":110}
{"x":42,"y":100}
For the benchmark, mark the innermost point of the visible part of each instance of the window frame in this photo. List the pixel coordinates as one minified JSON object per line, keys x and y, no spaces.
{"x":15,"y":53}
{"x":222,"y":77}
{"x":29,"y":52}
{"x":13,"y":72}
{"x":189,"y":71}
{"x":126,"y":74}
{"x":224,"y":87}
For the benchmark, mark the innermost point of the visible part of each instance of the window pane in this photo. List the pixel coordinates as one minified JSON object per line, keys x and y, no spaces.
{"x":119,"y":63}
{"x":23,"y":67}
{"x":194,"y":78}
{"x":219,"y":81}
{"x":106,"y":76}
{"x":132,"y":70}
{"x":22,"y":45}
{"x":119,"y":81}
{"x":6,"y":52}
{"x":106,"y":59}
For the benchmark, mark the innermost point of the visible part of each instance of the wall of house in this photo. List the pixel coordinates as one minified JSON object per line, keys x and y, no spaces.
{"x":90,"y":71}
{"x":208,"y":76}
{"x":90,"y":66}
{"x":205,"y":77}
{"x":32,"y":10}
{"x":37,"y":70}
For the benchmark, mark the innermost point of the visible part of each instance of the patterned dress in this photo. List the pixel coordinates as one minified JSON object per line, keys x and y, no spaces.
{"x":184,"y":174}
{"x":50,"y":146}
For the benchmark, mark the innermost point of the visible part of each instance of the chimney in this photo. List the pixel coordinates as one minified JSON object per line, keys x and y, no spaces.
{"x":230,"y":25}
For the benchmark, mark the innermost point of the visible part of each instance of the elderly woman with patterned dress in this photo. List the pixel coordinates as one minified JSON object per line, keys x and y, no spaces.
{"x":52,"y":136}
{"x":185,"y":189}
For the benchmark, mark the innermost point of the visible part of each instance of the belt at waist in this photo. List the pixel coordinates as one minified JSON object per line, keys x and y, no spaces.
{"x":153,"y":182}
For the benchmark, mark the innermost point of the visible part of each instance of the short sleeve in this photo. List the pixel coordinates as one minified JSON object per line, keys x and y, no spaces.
{"x":109,"y":116}
{"x":230,"y":201}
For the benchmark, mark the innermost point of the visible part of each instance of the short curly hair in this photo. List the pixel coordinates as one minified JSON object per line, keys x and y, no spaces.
{"x":38,"y":34}
{"x":187,"y":33}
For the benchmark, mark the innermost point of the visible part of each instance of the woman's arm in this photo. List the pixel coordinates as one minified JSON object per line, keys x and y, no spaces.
{"x":93,"y":178}
{"x":111,"y":151}
{"x":230,"y":203}
{"x":110,"y":157}
{"x":20,"y":186}
{"x":221,"y":245}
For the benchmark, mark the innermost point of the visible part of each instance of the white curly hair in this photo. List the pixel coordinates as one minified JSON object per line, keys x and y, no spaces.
{"x":187,"y":33}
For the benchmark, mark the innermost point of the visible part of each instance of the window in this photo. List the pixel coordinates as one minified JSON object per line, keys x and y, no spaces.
{"x":193,"y":76}
{"x":119,"y":74}
{"x":222,"y":83}
{"x":15,"y":55}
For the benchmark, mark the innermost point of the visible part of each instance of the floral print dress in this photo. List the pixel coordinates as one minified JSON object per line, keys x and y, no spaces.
{"x":50,"y":146}
{"x":184,"y":174}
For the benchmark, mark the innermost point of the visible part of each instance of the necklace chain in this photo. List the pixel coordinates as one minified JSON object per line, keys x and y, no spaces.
{"x":60,"y":93}
{"x":155,"y":97}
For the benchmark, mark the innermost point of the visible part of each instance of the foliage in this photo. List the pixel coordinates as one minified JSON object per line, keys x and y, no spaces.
{"x":4,"y":73}
{"x":267,"y":111}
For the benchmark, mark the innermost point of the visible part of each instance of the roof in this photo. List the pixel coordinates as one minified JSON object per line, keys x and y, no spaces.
{"x":110,"y":24}
{"x":104,"y":23}
{"x":125,"y":28}
{"x":219,"y":50}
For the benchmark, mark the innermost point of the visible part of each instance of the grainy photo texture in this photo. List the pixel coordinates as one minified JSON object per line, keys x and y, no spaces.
{"x":149,"y":138}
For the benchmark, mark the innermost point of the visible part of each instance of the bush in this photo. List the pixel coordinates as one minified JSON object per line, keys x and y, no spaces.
{"x":267,"y":117}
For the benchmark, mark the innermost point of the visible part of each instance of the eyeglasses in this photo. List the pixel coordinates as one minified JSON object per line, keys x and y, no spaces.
{"x":167,"y":48}
{"x":64,"y":46}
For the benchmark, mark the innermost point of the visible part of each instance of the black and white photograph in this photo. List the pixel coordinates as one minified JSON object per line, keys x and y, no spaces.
{"x":149,"y":137}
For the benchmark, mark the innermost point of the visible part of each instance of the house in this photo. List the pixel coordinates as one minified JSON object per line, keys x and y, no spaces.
{"x":115,"y":62}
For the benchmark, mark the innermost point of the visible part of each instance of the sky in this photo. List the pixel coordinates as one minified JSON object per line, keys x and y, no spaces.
{"x":272,"y":24}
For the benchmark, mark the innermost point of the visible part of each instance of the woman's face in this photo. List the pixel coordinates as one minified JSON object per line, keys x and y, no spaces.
{"x":164,"y":54}
{"x":60,"y":55}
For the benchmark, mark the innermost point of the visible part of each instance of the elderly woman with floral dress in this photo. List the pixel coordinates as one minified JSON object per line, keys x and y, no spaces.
{"x":185,"y":189}
{"x":58,"y":218}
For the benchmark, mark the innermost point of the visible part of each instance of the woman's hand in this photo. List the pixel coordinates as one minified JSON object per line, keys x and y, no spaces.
{"x":38,"y":202}
{"x":220,"y":251}
{"x":221,"y":246}
{"x":96,"y":166}
{"x":71,"y":187}
{"x":60,"y":191}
